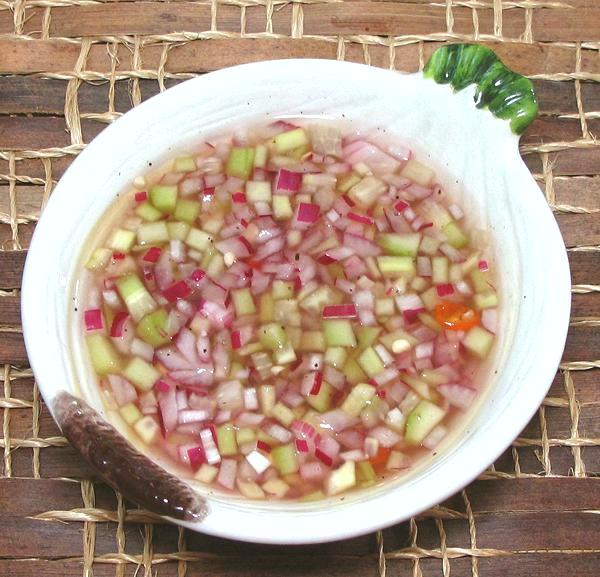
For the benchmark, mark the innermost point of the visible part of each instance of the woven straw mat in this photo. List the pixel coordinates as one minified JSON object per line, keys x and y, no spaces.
{"x":69,"y":67}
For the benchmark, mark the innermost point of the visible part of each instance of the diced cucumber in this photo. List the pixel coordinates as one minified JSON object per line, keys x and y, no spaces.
{"x":346,"y":182}
{"x":216,"y":266}
{"x":178,"y":230}
{"x":164,"y":197}
{"x":400,"y":244}
{"x":295,"y":337}
{"x":478,"y":341}
{"x":397,"y":266}
{"x":184,"y":164}
{"x":430,"y":322}
{"x":430,"y":298}
{"x":314,"y":496}
{"x":266,"y":399}
{"x":339,"y":333}
{"x":287,"y":141}
{"x":272,"y":336}
{"x":341,"y":479}
{"x":266,"y":308}
{"x":370,"y":362}
{"x":354,"y":374}
{"x":103,"y":355}
{"x":276,"y":487}
{"x":226,"y":440}
{"x":152,"y":233}
{"x":245,"y":435}
{"x":439,"y":268}
{"x":250,"y":489}
{"x":421,"y":421}
{"x":206,"y":473}
{"x":480,"y":280}
{"x":285,"y":459}
{"x":283,"y":414}
{"x":421,"y":387}
{"x":147,"y":429}
{"x":317,"y":299}
{"x":138,"y":300}
{"x":258,"y":191}
{"x":367,"y":336}
{"x":418,"y":172}
{"x":187,"y":210}
{"x":153,"y":328}
{"x":455,"y":274}
{"x":243,"y":302}
{"x":130,"y":413}
{"x":358,"y":397}
{"x":438,"y":214}
{"x":240,"y":163}
{"x":146,"y":211}
{"x":456,"y":237}
{"x":322,"y":400}
{"x":284,"y":355}
{"x":282,"y":289}
{"x":261,"y":153}
{"x":282,"y":208}
{"x":142,"y":374}
{"x":384,"y":307}
{"x":312,"y":341}
{"x":486,"y":300}
{"x":367,"y":191}
{"x":213,"y":225}
{"x":429,"y":245}
{"x":365,"y":471}
{"x":122,"y":240}
{"x":419,"y":284}
{"x":434,"y":377}
{"x":198,"y":239}
{"x":336,"y":357}
{"x":374,"y":271}
{"x":286,"y":311}
{"x":99,"y":259}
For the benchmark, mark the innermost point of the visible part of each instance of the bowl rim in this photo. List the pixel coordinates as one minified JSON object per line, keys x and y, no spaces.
{"x":334,"y":528}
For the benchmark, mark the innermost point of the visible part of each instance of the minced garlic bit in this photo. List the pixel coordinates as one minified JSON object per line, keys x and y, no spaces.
{"x":139,"y":182}
{"x":229,"y":258}
{"x":400,"y":346}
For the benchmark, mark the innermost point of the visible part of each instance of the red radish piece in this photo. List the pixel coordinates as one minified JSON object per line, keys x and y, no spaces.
{"x":444,"y":290}
{"x":141,"y":196}
{"x":152,"y":254}
{"x":288,"y":181}
{"x":347,"y":311}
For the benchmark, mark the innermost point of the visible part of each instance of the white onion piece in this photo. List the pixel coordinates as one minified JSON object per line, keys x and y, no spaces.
{"x":385,"y":436}
{"x":458,"y":395}
{"x":489,"y":319}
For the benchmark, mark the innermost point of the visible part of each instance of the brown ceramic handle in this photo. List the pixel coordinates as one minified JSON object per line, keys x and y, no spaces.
{"x":122,"y":466}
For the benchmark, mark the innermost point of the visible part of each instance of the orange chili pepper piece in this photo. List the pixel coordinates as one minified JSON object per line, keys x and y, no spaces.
{"x":381,"y":457}
{"x":456,"y":316}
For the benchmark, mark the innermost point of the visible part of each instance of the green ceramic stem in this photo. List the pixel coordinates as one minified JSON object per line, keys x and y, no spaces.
{"x":505,"y":93}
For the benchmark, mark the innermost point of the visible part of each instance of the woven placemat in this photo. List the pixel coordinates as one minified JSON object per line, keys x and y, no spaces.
{"x":69,"y":67}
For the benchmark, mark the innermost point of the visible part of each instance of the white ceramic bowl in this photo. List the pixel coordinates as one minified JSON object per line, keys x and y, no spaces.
{"x":477,"y":157}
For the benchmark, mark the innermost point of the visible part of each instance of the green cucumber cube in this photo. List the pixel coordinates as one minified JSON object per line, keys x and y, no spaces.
{"x":400,"y":244}
{"x":153,"y":233}
{"x":258,"y":191}
{"x":486,"y":300}
{"x":164,"y":197}
{"x":370,"y":362}
{"x":418,"y":172}
{"x":439,"y":267}
{"x":397,"y":266}
{"x":153,"y":328}
{"x":122,"y":240}
{"x":290,"y":140}
{"x":243,"y":302}
{"x":359,"y":396}
{"x":322,"y":400}
{"x":146,"y":211}
{"x":99,"y":259}
{"x":478,"y":341}
{"x":226,"y":440}
{"x":240,"y":163}
{"x":341,"y":479}
{"x":184,"y":164}
{"x":456,"y":237}
{"x":198,"y":239}
{"x":141,"y":373}
{"x":421,"y":421}
{"x":178,"y":230}
{"x":272,"y":336}
{"x":282,"y":208}
{"x":103,"y":355}
{"x":138,"y":300}
{"x":285,"y":459}
{"x":339,"y":333}
{"x":187,"y":210}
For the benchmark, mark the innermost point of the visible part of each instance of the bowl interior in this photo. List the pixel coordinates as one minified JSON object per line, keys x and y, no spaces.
{"x":477,"y":159}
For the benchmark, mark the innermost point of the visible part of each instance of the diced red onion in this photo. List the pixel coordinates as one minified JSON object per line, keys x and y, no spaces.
{"x":444,"y":290}
{"x":314,"y":471}
{"x":361,"y":246}
{"x":385,"y":436}
{"x":118,"y":325}
{"x":123,"y":391}
{"x":337,"y":420}
{"x":93,"y":320}
{"x":489,"y":320}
